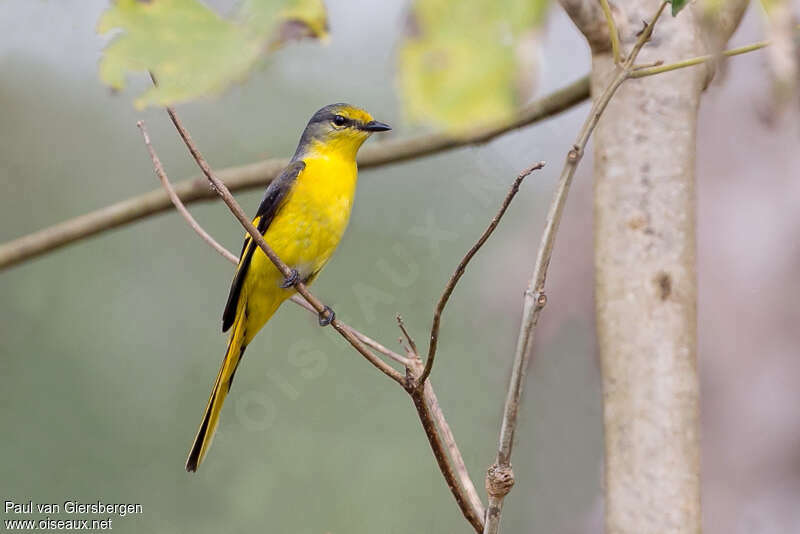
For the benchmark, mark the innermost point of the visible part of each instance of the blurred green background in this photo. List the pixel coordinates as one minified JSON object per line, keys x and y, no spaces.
{"x":108,"y":348}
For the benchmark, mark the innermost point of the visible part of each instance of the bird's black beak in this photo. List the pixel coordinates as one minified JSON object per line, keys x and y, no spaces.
{"x":375,"y":126}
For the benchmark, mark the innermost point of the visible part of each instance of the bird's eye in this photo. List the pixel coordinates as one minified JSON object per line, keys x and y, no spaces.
{"x":338,"y":120}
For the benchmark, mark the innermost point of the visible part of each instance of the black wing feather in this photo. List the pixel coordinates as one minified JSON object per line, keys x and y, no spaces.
{"x":270,"y":204}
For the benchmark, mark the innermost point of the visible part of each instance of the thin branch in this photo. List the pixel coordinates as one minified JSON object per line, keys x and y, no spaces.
{"x":444,"y":446}
{"x":435,"y":411}
{"x":423,"y":411}
{"x":259,"y":240}
{"x":650,"y":71}
{"x":368,"y":341}
{"x":612,"y":31}
{"x":458,"y":479}
{"x":259,"y":174}
{"x":176,"y":201}
{"x":640,"y":72}
{"x":231,"y":257}
{"x":430,"y":397}
{"x":500,"y":477}
{"x":462,"y":265}
{"x":452,"y":449}
{"x":411,"y":344}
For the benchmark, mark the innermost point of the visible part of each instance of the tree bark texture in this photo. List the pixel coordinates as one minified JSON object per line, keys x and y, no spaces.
{"x":645,"y":280}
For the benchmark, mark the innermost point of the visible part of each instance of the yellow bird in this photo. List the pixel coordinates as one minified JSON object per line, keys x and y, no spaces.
{"x":302,"y":216}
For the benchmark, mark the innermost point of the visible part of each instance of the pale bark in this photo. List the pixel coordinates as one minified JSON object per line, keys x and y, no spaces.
{"x":646,"y":286}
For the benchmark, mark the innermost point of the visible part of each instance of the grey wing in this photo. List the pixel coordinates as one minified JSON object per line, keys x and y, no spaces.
{"x":269,"y":207}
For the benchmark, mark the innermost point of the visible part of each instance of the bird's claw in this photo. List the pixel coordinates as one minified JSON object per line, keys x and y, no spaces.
{"x":326,"y":316}
{"x":290,"y":280}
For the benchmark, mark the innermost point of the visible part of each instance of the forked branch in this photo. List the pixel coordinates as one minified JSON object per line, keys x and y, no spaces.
{"x":231,"y":257}
{"x":420,"y":388}
{"x":258,"y":239}
{"x":444,"y":447}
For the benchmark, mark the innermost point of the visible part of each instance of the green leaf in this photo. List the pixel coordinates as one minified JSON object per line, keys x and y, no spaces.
{"x":677,"y":5}
{"x":191,"y":50}
{"x":459,"y":62}
{"x":296,"y":19}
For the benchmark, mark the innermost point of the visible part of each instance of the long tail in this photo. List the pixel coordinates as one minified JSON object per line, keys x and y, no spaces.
{"x":222,"y":385}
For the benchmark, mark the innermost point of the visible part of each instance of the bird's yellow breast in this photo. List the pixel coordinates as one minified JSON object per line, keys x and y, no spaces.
{"x":308,"y":227}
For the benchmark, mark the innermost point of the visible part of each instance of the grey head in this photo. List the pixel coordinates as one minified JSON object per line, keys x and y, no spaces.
{"x":340,"y":125}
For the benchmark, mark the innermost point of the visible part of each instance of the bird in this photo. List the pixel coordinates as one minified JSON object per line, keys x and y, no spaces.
{"x":303,"y":214}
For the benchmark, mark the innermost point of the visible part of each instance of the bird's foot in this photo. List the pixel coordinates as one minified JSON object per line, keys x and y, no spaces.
{"x":290,"y":280}
{"x":326,"y":316}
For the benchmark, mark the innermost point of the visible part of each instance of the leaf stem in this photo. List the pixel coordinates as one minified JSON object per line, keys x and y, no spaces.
{"x":612,"y":31}
{"x":650,"y":71}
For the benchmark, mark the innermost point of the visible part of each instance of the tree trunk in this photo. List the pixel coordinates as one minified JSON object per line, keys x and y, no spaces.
{"x":646,"y":285}
{"x":646,"y":289}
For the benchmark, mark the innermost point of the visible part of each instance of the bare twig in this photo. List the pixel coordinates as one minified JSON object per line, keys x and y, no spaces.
{"x":231,"y":257}
{"x":500,"y":477}
{"x":411,"y":344}
{"x":425,"y":415}
{"x":259,"y":240}
{"x":650,"y":70}
{"x":368,"y":341}
{"x":422,"y":392}
{"x":459,"y":470}
{"x":176,"y":201}
{"x":452,"y":448}
{"x":259,"y":174}
{"x":444,"y":446}
{"x":371,"y":343}
{"x":462,"y":265}
{"x":612,"y":31}
{"x":430,"y":396}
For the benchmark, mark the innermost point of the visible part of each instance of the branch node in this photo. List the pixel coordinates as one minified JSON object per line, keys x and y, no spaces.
{"x":644,"y":28}
{"x":528,"y":292}
{"x":412,"y":346}
{"x":648,"y":65}
{"x":325,"y":313}
{"x":414,"y":369}
{"x":574,"y":154}
{"x":499,"y":480}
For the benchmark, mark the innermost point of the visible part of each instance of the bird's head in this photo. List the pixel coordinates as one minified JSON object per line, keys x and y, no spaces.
{"x":337,"y":129}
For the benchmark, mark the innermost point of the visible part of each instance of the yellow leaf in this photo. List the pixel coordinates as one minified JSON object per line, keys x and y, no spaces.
{"x":459,"y":61}
{"x":190,"y":49}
